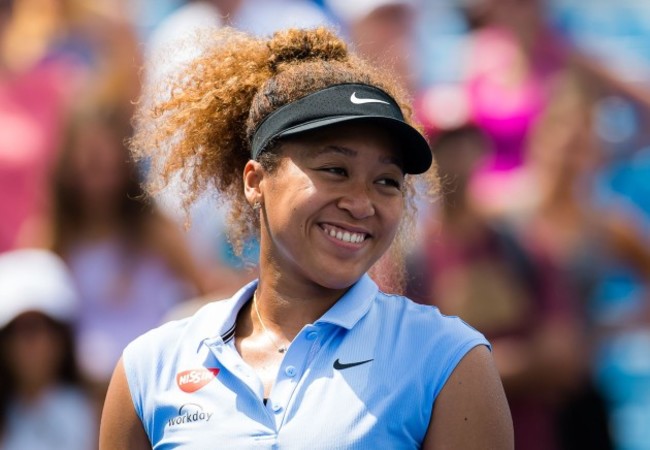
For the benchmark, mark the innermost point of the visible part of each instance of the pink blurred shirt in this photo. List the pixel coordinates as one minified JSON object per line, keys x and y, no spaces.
{"x":32,"y":106}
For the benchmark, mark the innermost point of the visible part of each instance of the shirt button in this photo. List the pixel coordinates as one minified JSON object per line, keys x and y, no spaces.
{"x":312,"y":335}
{"x":290,"y":371}
{"x":276,"y":407}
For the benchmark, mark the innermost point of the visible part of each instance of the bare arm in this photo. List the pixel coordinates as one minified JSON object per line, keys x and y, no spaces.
{"x":471,"y":411}
{"x":628,"y":243}
{"x":121,"y":428}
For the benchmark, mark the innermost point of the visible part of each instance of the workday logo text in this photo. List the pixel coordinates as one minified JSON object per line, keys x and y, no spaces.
{"x":190,"y":413}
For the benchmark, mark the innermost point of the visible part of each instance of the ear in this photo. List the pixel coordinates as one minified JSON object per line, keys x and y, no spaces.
{"x":253,"y":176}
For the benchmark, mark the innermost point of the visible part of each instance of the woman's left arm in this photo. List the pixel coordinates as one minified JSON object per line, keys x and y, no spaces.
{"x":471,"y":411}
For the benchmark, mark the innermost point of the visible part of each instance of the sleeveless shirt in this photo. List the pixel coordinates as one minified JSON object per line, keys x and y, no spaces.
{"x":363,"y":376}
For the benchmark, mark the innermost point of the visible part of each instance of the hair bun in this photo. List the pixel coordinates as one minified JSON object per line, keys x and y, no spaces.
{"x":296,"y":45}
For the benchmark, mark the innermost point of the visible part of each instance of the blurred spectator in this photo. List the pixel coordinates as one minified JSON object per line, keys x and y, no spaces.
{"x":481,"y":272}
{"x":555,"y":198}
{"x":42,"y":403}
{"x":382,"y":32}
{"x":33,"y":99}
{"x":51,"y":53}
{"x":264,"y":17}
{"x":511,"y":60}
{"x":590,"y":244}
{"x":130,"y":264}
{"x":258,"y":17}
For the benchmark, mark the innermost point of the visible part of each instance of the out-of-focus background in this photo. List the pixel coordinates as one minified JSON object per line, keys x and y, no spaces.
{"x":538,"y":113}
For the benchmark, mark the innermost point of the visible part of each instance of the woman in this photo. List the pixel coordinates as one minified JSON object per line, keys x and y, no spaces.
{"x":479,"y":269}
{"x":121,"y":253}
{"x":43,"y":403}
{"x":327,"y":150}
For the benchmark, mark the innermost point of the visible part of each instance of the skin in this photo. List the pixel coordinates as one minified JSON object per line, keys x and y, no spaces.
{"x":120,"y":427}
{"x":347,"y":180}
{"x":35,"y":351}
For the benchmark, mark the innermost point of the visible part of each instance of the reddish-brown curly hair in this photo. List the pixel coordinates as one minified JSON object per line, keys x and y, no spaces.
{"x":198,"y":125}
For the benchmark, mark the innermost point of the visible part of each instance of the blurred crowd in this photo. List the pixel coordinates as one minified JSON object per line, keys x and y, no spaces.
{"x":537,"y":112}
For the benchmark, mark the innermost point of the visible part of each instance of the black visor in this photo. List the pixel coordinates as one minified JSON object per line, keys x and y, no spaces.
{"x":345,"y":103}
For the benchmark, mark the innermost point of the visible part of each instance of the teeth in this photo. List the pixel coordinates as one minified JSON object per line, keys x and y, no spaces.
{"x":345,"y":236}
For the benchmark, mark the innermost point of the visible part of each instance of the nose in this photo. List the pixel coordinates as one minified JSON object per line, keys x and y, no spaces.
{"x":357,"y":201}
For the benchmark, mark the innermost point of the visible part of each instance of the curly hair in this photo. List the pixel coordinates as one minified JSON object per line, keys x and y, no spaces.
{"x":199,"y":124}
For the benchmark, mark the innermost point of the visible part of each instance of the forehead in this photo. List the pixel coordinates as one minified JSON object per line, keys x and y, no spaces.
{"x":350,"y":139}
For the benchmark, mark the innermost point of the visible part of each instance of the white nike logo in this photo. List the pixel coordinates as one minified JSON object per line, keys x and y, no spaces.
{"x":360,"y":101}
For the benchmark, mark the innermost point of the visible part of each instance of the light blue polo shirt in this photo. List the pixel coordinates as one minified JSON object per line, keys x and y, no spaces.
{"x":363,"y":376}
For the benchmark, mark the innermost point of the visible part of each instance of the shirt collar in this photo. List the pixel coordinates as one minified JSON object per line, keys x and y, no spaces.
{"x":354,"y":304}
{"x":216,"y":321}
{"x":219,"y":322}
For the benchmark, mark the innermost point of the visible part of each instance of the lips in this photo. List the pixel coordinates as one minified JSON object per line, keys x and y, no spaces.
{"x":345,"y":235}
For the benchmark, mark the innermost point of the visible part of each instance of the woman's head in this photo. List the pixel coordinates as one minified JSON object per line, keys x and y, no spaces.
{"x":38,"y":303}
{"x":562,"y":141}
{"x":206,"y":126}
{"x":332,"y":206}
{"x":95,"y":178}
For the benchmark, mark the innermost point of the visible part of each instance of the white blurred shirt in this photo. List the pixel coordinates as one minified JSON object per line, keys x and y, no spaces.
{"x":62,"y":418}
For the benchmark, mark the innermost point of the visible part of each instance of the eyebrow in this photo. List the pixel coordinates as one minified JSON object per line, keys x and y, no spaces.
{"x":353,"y":153}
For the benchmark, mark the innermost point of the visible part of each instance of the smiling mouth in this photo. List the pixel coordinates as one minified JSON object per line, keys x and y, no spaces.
{"x":344,"y":235}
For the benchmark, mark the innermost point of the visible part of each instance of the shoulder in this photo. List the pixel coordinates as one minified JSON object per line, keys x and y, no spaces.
{"x":472,"y":411}
{"x":150,"y":361}
{"x":156,"y":341}
{"x":168,"y":335}
{"x":421,"y":337}
{"x":151,"y":353}
{"x":418,"y":319}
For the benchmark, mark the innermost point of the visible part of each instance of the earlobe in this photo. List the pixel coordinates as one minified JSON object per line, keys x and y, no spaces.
{"x":253,"y":176}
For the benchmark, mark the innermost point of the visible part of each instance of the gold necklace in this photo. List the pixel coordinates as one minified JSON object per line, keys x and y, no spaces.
{"x":281,"y":349}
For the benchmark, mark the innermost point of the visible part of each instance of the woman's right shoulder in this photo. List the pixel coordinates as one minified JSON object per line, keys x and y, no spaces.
{"x":171,"y":336}
{"x":174,"y":329}
{"x":151,"y":361}
{"x":167,"y":332}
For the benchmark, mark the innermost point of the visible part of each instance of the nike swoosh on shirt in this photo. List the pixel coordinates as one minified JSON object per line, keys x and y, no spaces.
{"x":360,"y":101}
{"x":338,"y":365}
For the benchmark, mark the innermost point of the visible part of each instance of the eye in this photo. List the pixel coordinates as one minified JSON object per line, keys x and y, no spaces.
{"x":335,"y":170}
{"x":391,"y":182}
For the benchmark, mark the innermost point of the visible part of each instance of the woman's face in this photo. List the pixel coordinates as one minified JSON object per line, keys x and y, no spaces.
{"x":34,"y":349}
{"x":333,"y":206}
{"x":99,"y":163}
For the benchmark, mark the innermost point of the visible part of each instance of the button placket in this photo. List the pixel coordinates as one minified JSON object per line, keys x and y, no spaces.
{"x":290,"y":372}
{"x":231,"y":361}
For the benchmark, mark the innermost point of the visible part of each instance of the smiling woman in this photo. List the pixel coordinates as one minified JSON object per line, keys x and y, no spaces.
{"x":317,"y":156}
{"x":332,"y":208}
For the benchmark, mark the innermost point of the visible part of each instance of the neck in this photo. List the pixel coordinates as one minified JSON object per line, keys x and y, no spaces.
{"x":287,"y":299}
{"x":559,"y":191}
{"x":287,"y":307}
{"x":456,"y":205}
{"x":30,"y":392}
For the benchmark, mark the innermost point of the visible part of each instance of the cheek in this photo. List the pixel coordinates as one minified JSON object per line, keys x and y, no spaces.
{"x":37,"y":354}
{"x":393,"y":213}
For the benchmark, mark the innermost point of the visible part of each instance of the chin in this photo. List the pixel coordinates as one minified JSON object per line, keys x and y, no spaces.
{"x":338,"y":281}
